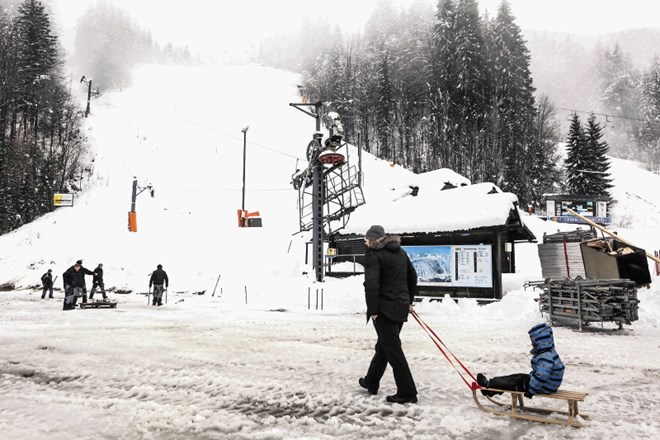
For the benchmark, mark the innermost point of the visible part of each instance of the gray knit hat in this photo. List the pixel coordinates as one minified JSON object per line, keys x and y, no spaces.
{"x":375,"y":232}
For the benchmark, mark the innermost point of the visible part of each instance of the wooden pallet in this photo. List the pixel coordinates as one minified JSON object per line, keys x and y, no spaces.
{"x":517,"y":404}
{"x":99,"y":305}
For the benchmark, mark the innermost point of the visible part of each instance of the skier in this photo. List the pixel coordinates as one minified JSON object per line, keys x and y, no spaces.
{"x":47,"y":282}
{"x":74,"y":285}
{"x":160,"y":281}
{"x":390,"y":284}
{"x":547,"y":368}
{"x":97,"y":281}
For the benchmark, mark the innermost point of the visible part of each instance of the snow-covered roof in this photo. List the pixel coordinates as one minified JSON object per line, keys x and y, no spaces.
{"x":433,"y":210}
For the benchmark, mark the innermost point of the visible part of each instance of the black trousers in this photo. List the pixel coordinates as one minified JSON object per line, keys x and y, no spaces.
{"x":512,"y":382}
{"x":388,"y":350}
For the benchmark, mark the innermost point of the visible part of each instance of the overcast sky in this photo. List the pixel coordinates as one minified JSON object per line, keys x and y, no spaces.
{"x":209,"y":24}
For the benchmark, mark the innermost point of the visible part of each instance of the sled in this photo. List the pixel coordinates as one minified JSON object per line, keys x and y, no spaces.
{"x":99,"y":305}
{"x":517,"y":404}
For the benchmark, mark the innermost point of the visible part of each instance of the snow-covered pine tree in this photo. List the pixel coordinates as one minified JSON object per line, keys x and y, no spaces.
{"x":40,"y":140}
{"x":587,"y":166}
{"x":514,"y":102}
{"x":471,"y":92}
{"x":599,"y":181}
{"x":444,"y":77}
{"x":36,"y":62}
{"x":577,"y":158}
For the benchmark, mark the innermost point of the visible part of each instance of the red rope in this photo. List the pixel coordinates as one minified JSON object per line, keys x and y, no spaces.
{"x":438,"y":342}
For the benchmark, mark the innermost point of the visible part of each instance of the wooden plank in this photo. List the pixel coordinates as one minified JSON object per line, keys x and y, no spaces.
{"x":512,"y":411}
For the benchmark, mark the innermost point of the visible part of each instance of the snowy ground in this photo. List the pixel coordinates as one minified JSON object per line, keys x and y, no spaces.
{"x":253,"y":361}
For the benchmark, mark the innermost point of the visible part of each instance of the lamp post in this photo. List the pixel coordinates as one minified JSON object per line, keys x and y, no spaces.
{"x":244,"y":131}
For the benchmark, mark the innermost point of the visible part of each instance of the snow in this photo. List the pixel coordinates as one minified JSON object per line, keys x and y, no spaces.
{"x":265,"y":352}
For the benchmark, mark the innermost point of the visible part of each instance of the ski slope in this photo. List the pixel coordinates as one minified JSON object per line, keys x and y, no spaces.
{"x":260,"y":359}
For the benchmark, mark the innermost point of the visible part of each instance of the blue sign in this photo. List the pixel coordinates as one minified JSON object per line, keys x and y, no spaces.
{"x":573,"y":219}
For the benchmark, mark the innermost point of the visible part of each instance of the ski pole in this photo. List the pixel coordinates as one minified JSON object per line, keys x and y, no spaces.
{"x":166,"y":295}
{"x":216,"y":285}
{"x":148,"y":295}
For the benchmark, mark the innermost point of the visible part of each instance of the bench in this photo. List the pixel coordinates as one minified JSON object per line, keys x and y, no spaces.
{"x":517,"y":404}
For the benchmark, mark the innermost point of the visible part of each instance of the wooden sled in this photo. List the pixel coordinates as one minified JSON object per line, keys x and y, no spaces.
{"x":99,"y":305}
{"x":517,"y":404}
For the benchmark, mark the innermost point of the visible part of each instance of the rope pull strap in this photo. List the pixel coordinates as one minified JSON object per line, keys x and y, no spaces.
{"x":438,"y":343}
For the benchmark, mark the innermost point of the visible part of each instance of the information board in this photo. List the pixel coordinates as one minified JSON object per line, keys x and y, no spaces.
{"x":453,"y":266}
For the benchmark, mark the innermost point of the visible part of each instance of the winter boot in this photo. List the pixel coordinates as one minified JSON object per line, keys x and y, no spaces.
{"x":483,"y":382}
{"x":370,"y":388}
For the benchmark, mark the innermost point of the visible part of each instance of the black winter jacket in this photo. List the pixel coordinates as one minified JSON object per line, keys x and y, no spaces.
{"x":390,"y":280}
{"x":159,"y":277}
{"x":73,"y":278}
{"x":98,"y":275}
{"x":47,"y":280}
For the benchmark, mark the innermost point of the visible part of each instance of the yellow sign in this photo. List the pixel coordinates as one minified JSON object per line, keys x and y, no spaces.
{"x":62,"y":199}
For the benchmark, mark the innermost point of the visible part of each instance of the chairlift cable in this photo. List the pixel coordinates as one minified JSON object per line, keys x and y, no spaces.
{"x":213,"y":130}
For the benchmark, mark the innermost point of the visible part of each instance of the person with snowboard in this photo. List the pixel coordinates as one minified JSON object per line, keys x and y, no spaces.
{"x":47,"y":283}
{"x":97,"y":281}
{"x":160,"y":281}
{"x":547,"y":368}
{"x":74,"y":285}
{"x":390,"y":285}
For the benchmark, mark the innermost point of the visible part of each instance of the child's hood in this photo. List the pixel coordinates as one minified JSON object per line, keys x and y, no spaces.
{"x":541,"y":336}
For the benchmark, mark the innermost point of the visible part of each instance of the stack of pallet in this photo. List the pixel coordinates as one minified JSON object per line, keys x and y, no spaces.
{"x":585,"y":301}
{"x":560,"y":254}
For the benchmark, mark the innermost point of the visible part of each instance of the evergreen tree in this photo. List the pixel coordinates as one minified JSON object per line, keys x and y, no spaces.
{"x":587,"y":166}
{"x":544,"y":174}
{"x":620,"y":86}
{"x":444,"y":78}
{"x":649,"y":136}
{"x":40,"y":137}
{"x":514,"y":101}
{"x":576,"y":160}
{"x":599,"y":181}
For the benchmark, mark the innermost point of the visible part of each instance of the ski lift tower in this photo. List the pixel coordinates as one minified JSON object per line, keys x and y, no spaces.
{"x":329,"y":189}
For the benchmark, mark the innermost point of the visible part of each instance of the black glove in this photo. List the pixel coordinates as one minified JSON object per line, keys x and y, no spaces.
{"x":528,"y":394}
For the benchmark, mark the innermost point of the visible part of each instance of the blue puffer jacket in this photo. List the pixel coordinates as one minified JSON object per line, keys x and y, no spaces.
{"x":547,"y":368}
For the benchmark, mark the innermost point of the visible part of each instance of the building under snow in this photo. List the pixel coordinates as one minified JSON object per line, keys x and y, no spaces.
{"x":459,"y":237}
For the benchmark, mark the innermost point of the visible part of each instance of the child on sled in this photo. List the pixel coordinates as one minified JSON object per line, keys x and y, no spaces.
{"x":547,"y":368}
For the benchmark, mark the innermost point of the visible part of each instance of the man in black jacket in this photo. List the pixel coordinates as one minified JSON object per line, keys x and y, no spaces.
{"x":390,"y":285}
{"x":160,"y":281}
{"x":97,"y":281}
{"x":47,"y":282}
{"x":74,"y":285}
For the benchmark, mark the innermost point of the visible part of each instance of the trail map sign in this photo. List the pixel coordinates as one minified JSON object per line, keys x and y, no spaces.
{"x":62,"y":199}
{"x":453,"y":266}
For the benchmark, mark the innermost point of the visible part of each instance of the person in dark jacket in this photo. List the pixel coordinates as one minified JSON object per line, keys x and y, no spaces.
{"x":160,"y":281}
{"x":47,"y":283}
{"x":547,"y":368}
{"x":74,"y":285}
{"x":97,"y":281}
{"x":390,"y":285}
